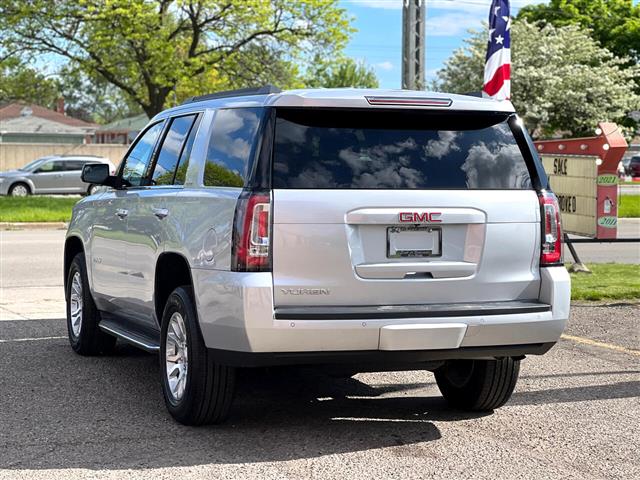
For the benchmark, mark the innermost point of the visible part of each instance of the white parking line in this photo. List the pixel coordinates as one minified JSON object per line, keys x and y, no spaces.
{"x":34,"y":339}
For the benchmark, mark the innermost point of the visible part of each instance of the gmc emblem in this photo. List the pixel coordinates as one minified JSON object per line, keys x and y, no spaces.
{"x":415,"y":217}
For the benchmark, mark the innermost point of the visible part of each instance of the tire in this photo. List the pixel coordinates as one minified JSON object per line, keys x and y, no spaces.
{"x":478,"y":385}
{"x":19,"y":189}
{"x":82,"y":326}
{"x":92,"y":189}
{"x":206,"y":392}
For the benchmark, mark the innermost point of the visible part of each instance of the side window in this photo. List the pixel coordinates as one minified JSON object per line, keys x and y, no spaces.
{"x":231,"y":146}
{"x":73,"y":165}
{"x":172,"y":146}
{"x":137,"y":162}
{"x":54,"y":166}
{"x":45,"y":167}
{"x":183,"y":164}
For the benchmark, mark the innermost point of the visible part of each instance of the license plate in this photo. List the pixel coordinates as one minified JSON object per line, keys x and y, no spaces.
{"x":414,"y":242}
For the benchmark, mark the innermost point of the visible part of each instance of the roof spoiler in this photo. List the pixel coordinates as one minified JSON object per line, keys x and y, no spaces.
{"x":241,"y":92}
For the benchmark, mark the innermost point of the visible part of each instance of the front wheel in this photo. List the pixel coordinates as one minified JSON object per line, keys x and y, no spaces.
{"x":196,"y":390}
{"x":478,"y":385}
{"x":83,"y":317}
{"x":19,"y":190}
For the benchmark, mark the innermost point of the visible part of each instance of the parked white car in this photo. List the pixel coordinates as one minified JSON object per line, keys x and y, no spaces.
{"x":368,"y":229}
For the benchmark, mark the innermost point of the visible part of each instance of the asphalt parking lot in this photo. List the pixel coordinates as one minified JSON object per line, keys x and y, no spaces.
{"x":575,"y":412}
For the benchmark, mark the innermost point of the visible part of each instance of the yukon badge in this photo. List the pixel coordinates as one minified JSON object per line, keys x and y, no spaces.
{"x":305,"y":291}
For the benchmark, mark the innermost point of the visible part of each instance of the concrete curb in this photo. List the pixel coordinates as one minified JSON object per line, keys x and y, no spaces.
{"x":33,"y":225}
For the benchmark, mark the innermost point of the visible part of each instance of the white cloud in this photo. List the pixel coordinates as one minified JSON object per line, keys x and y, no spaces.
{"x":384,"y":65}
{"x":495,"y":168}
{"x":386,"y":4}
{"x":451,"y":24}
{"x":448,"y":18}
{"x":439,"y":148}
{"x":467,"y":6}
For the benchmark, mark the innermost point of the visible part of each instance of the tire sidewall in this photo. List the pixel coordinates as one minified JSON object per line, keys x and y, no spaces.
{"x":180,"y":301}
{"x":488,"y":387}
{"x":76,"y":266}
{"x":85,"y":342}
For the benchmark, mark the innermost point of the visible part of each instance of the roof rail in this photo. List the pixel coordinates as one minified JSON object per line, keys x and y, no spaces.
{"x":241,"y":92}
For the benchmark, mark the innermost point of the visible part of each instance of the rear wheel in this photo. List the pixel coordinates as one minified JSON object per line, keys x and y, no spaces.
{"x":82,"y":315}
{"x":92,"y":189}
{"x":196,"y":390}
{"x":478,"y":385}
{"x":19,"y":190}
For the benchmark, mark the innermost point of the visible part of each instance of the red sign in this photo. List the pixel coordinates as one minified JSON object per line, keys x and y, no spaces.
{"x":606,"y":149}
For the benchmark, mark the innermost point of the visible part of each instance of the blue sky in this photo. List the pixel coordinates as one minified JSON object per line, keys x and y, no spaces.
{"x":379,"y":37}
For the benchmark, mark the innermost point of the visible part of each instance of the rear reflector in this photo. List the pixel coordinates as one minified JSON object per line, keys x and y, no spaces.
{"x":411,"y":101}
{"x":552,"y":241}
{"x":250,"y":251}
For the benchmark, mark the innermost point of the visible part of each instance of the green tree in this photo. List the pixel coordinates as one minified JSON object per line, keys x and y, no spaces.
{"x":614,"y":23}
{"x":345,"y":72}
{"x":561,"y":79}
{"x":157,"y":51}
{"x":20,"y":82}
{"x":217,"y":175}
{"x":92,"y":98}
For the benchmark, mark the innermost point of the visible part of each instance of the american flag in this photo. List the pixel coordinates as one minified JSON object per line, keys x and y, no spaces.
{"x":497,"y":70}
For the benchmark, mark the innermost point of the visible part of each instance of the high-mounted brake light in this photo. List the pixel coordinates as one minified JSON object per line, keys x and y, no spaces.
{"x":552,"y":241}
{"x":411,"y":101}
{"x":251,"y":233}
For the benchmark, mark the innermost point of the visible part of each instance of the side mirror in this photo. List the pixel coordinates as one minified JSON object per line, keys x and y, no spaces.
{"x":98,"y":174}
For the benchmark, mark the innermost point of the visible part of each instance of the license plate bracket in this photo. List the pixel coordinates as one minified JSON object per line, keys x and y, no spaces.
{"x":414,"y":242}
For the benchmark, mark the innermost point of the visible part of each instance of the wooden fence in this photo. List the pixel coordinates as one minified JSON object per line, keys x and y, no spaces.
{"x":14,"y":155}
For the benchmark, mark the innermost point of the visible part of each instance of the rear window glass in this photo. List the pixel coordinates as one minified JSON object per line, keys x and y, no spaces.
{"x":407,"y":150}
{"x":232,"y":145}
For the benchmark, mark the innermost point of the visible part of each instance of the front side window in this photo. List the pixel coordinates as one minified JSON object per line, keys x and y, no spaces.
{"x":405,"y":150}
{"x":54,"y":166}
{"x":172,"y":146}
{"x":232,"y":145}
{"x":33,"y":165}
{"x":139,"y":158}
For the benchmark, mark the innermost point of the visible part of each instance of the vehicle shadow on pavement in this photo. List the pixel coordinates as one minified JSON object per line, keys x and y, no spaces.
{"x":577,"y":394}
{"x":60,"y":410}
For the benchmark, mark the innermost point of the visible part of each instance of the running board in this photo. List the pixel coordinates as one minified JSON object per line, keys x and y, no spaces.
{"x":136,"y":337}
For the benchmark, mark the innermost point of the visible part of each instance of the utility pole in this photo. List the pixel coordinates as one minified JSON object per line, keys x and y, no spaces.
{"x":413,"y":44}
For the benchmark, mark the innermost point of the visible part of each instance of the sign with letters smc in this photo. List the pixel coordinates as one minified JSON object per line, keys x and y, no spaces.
{"x":573,"y":180}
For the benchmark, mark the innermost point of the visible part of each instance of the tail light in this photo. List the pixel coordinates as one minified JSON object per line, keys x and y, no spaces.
{"x":552,"y":243}
{"x":251,"y":249}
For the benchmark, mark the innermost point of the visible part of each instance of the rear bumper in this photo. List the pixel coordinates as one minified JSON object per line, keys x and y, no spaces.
{"x":236,"y":314}
{"x":375,"y":360}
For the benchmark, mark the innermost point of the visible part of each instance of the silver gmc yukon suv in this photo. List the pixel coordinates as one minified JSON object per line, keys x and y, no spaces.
{"x":366,"y":230}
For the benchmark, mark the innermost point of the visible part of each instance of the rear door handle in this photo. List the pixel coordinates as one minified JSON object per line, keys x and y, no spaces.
{"x":122,"y":213}
{"x":160,"y":213}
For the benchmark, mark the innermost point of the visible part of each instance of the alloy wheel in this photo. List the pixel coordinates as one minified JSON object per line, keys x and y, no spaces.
{"x":19,"y":191}
{"x":176,"y":356}
{"x":76,"y":304}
